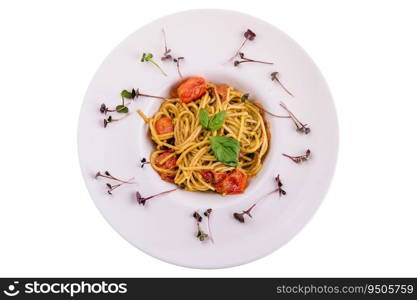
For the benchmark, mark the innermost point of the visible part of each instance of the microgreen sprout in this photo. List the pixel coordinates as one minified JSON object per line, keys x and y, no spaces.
{"x":244,"y":59}
{"x":248,"y":35}
{"x":123,"y":107}
{"x":241,"y":216}
{"x":166,"y":55}
{"x":177,"y":62}
{"x":144,"y":162}
{"x":201,"y":235}
{"x":142,"y":200}
{"x":275,"y":77}
{"x":110,"y":119}
{"x":300,"y":158}
{"x":148,"y":57}
{"x":248,"y":212}
{"x":302,"y":128}
{"x":111,"y":187}
{"x":245,"y":98}
{"x":207,"y":214}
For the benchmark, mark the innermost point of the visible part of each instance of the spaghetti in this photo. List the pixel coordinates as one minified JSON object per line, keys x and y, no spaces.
{"x":183,"y":152}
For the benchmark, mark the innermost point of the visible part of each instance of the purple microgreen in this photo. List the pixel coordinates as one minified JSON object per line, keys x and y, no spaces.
{"x":245,"y":59}
{"x":279,"y":189}
{"x":119,"y":108}
{"x":177,"y":62}
{"x":275,"y":77}
{"x":148,"y":57}
{"x":302,"y":128}
{"x":241,"y":216}
{"x":109,"y":176}
{"x":104,"y":109}
{"x":249,"y":35}
{"x":110,"y":119}
{"x":136,"y":94}
{"x":197,"y":217}
{"x":207,"y":214}
{"x":201,"y":235}
{"x":123,"y":107}
{"x":300,"y":158}
{"x":144,"y":162}
{"x":275,"y":115}
{"x":166,"y":55}
{"x":245,"y":98}
{"x":111,"y":187}
{"x":142,"y":200}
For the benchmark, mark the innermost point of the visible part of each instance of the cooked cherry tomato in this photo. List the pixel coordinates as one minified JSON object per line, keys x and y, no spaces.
{"x":234,"y":183}
{"x":222,"y":91}
{"x":164,"y":125}
{"x":192,"y":89}
{"x":169,"y":178}
{"x":212,"y":177}
{"x":170,"y":164}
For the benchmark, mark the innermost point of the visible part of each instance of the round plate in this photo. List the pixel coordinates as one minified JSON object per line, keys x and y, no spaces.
{"x":164,"y":227}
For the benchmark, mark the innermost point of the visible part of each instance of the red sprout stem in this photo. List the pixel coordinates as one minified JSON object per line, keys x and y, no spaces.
{"x":283,"y":86}
{"x":159,"y":194}
{"x":129,"y":181}
{"x":165,"y":40}
{"x":238,"y":50}
{"x":293,"y":117}
{"x":276,"y":116}
{"x":255,"y":61}
{"x":151,"y":96}
{"x":209,"y":230}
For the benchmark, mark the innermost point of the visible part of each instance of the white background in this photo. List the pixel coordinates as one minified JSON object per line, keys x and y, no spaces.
{"x":366,"y":226}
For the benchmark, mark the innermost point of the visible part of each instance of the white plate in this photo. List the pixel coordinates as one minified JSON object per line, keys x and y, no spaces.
{"x":164,"y":227}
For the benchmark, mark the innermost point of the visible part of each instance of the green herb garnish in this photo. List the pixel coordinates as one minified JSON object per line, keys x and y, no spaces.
{"x":225,"y":149}
{"x":204,"y":117}
{"x":122,"y":109}
{"x":147,"y":57}
{"x":214,"y":123}
{"x":127,"y":95}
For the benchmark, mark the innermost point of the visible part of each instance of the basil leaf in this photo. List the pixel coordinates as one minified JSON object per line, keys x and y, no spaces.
{"x":126,"y":94}
{"x":204,"y":119}
{"x":122,"y":109}
{"x":216,"y":122}
{"x":225,"y":149}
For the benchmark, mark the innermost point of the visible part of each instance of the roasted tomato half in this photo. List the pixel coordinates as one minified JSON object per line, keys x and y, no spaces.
{"x":170,"y":164}
{"x":192,"y":89}
{"x":212,"y":177}
{"x":235,"y":182}
{"x":164,"y":125}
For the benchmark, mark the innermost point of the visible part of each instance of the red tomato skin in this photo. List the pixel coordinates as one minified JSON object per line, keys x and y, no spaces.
{"x":170,"y":164}
{"x":191,"y":89}
{"x":167,"y":178}
{"x":234,"y":183}
{"x":212,"y":177}
{"x":164,"y":125}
